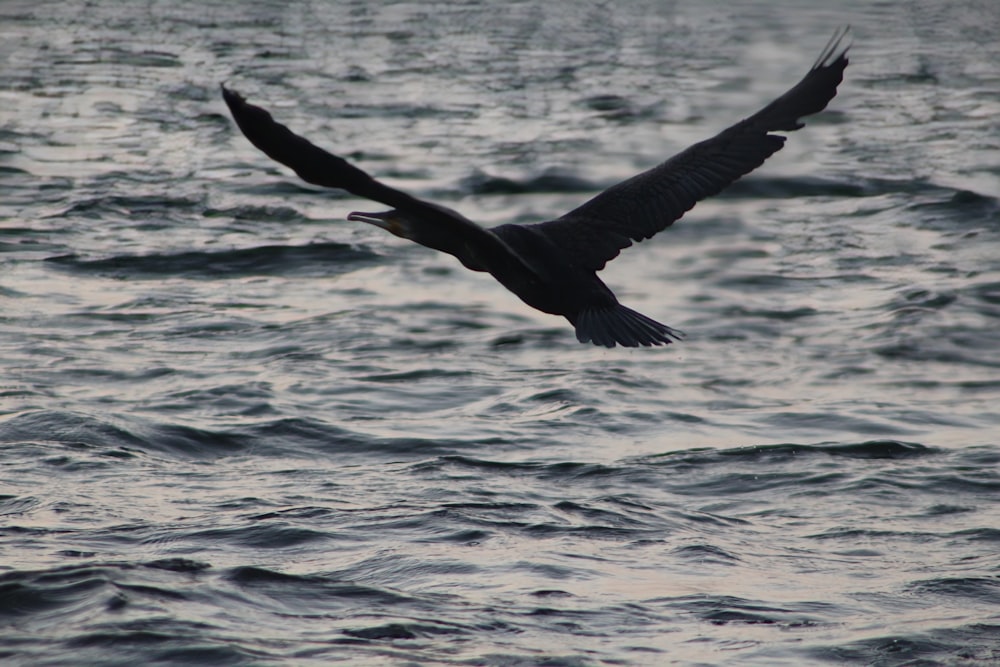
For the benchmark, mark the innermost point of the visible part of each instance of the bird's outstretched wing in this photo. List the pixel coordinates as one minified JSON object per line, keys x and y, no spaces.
{"x":434,"y":226}
{"x":312,"y":163}
{"x":647,"y":203}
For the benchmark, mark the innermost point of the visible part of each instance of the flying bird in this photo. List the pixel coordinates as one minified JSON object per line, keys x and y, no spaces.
{"x":553,"y":265}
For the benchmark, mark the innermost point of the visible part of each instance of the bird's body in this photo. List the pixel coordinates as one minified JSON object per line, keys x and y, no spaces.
{"x":552,"y":266}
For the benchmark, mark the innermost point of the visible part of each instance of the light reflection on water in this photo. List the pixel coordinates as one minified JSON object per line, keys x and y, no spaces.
{"x":234,"y":420}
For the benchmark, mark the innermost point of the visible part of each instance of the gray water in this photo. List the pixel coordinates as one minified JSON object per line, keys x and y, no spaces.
{"x":239,"y":430}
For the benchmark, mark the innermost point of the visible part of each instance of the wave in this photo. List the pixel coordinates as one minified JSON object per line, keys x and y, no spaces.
{"x":550,"y":181}
{"x":929,"y":197}
{"x":82,"y":440}
{"x":325,"y":258}
{"x":256,"y":213}
{"x":974,"y":644}
{"x":617,"y":108}
{"x":125,"y":206}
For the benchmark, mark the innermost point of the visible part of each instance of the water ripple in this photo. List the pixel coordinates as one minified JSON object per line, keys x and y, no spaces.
{"x":239,"y":430}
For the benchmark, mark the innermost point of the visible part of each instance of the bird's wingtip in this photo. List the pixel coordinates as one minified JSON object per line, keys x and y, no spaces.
{"x":231,"y":97}
{"x":836,"y":48}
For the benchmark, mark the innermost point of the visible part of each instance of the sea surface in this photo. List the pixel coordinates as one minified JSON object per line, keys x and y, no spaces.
{"x":236,"y":429}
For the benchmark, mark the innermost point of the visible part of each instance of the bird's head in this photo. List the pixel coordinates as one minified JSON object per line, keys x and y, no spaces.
{"x":432,"y":226}
{"x":394,"y":221}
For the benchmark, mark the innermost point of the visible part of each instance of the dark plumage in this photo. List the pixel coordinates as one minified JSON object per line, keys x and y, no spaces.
{"x":552,"y":266}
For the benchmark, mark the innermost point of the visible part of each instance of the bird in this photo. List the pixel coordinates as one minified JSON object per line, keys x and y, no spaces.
{"x":552,"y":265}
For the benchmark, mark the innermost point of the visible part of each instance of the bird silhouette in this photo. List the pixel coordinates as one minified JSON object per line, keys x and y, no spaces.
{"x":553,"y":265}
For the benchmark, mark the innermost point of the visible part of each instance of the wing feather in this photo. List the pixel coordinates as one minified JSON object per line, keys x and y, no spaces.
{"x":649,"y":202}
{"x":312,"y":163}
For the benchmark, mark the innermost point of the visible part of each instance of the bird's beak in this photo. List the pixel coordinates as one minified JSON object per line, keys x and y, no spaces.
{"x":387,"y":220}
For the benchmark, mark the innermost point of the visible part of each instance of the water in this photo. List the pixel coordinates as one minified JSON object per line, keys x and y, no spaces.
{"x":240,"y":430}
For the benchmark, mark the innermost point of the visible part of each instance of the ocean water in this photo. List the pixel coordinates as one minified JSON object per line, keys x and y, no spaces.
{"x":239,"y":430}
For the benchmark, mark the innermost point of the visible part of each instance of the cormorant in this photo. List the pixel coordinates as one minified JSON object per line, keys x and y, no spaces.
{"x":552,"y":266}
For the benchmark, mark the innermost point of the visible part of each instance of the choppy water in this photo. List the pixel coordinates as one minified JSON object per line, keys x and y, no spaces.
{"x":240,"y":430}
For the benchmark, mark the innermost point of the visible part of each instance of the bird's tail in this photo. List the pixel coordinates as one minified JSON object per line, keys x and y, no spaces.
{"x":623,"y":326}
